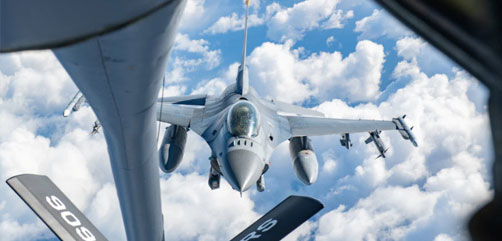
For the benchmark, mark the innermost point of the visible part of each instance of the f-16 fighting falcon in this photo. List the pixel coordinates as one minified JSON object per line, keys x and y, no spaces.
{"x":243,"y":129}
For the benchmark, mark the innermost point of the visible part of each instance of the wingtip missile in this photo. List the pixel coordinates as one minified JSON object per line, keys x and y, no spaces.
{"x":403,"y":129}
{"x":71,"y":106}
{"x":66,"y":112}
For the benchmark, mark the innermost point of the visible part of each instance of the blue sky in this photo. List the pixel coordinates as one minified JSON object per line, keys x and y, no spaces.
{"x":348,"y":59}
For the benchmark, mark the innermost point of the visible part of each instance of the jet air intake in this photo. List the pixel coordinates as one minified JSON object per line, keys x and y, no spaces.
{"x":304,"y":159}
{"x":172,"y":148}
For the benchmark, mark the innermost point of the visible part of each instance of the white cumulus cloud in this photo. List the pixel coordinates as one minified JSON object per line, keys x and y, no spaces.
{"x":180,"y":66}
{"x":448,"y":171}
{"x":233,"y":23}
{"x":388,"y":213}
{"x":281,"y":73}
{"x":380,"y":23}
{"x":293,"y":22}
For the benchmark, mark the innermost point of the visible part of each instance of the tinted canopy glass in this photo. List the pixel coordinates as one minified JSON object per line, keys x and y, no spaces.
{"x":243,"y":119}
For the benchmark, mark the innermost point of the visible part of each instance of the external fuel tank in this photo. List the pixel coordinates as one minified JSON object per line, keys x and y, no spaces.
{"x":172,"y":148}
{"x":304,"y":159}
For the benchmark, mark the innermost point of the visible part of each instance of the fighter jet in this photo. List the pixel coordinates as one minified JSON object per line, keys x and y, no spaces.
{"x":242,"y":129}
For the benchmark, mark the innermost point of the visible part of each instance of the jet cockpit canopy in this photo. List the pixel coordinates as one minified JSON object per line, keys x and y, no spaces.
{"x":243,"y":119}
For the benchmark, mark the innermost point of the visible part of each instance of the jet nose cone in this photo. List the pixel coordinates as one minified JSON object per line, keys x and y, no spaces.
{"x":245,"y":168}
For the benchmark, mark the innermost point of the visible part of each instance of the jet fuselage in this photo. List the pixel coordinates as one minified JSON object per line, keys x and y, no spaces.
{"x":243,"y":137}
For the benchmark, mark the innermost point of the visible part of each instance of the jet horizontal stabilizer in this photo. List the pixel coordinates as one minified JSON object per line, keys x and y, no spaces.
{"x":54,"y":208}
{"x":281,"y":220}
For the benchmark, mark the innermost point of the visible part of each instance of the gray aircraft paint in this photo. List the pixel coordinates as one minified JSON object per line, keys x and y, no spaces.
{"x":210,"y":122}
{"x":281,"y":220}
{"x":120,"y":74}
{"x":69,"y":224}
{"x":375,"y":138}
{"x":54,"y":208}
{"x":243,"y":158}
{"x":56,"y":23}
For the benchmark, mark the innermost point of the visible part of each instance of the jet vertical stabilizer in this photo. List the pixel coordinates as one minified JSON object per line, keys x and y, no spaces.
{"x":242,"y":76}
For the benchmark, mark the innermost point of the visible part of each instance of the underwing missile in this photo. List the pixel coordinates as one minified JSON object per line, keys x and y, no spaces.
{"x":375,"y":138}
{"x":69,"y":108}
{"x":95,"y":128}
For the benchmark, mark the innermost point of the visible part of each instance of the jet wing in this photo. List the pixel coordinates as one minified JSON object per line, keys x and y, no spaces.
{"x":33,"y":24}
{"x":287,"y":109}
{"x":181,"y":115}
{"x":314,"y":126}
{"x":54,"y":208}
{"x":281,"y":220}
{"x":185,"y":100}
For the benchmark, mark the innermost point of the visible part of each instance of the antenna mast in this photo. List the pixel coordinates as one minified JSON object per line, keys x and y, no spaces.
{"x":245,"y":35}
{"x":242,"y":85}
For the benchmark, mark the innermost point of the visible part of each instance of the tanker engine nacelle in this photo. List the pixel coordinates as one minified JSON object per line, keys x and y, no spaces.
{"x":304,"y":159}
{"x":172,"y":148}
